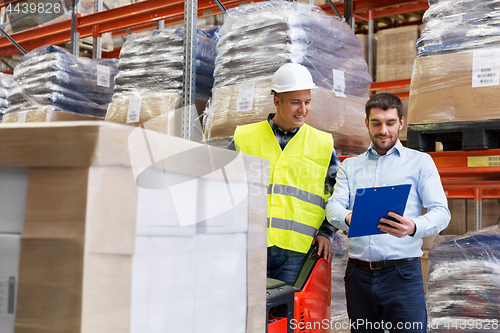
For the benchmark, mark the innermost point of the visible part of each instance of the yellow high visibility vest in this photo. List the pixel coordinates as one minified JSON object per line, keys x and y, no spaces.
{"x":296,"y":197}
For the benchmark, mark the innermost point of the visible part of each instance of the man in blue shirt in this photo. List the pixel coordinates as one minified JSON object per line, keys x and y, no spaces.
{"x":383,"y":280}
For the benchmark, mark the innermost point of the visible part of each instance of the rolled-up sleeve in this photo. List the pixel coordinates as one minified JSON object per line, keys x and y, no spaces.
{"x":434,"y":200}
{"x":338,"y":204}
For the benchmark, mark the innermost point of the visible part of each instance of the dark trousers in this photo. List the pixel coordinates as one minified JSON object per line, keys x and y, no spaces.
{"x":392,"y":297}
{"x":284,"y":265}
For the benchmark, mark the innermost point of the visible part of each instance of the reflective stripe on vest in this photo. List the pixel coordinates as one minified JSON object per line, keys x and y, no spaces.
{"x":299,"y":194}
{"x":296,"y":195}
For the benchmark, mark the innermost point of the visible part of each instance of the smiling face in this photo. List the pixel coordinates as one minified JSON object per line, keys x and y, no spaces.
{"x":384,"y":127}
{"x":292,"y":109}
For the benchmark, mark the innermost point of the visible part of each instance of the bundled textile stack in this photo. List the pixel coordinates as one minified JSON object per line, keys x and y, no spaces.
{"x":455,"y":71}
{"x":340,"y":319}
{"x":152,"y":62}
{"x":464,"y":281}
{"x":51,"y":79}
{"x":151,"y":69}
{"x":256,"y":39}
{"x":5,"y":85}
{"x":456,"y":25}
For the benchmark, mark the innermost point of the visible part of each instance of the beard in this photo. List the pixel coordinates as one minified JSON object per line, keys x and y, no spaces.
{"x":384,"y":146}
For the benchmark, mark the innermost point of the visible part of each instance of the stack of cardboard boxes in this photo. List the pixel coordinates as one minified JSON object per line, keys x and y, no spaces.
{"x":122,"y":232}
{"x":13,"y":191}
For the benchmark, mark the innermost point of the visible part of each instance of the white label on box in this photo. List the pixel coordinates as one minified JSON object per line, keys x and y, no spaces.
{"x":338,"y":83}
{"x":103,"y":76}
{"x":486,"y":68}
{"x":7,"y":294}
{"x":21,"y":116}
{"x":246,"y":92}
{"x":134,"y":109}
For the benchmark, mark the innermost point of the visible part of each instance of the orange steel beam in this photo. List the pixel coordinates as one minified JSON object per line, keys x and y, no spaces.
{"x":180,"y":18}
{"x":398,"y":9}
{"x":458,"y":159}
{"x":471,"y":193}
{"x":110,"y":20}
{"x":363,"y":6}
{"x":415,"y":7}
{"x":461,"y":181}
{"x":402,"y":95}
{"x":395,"y":84}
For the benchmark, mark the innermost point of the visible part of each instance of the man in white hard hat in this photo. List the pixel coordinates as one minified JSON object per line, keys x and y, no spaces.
{"x":302,"y":174}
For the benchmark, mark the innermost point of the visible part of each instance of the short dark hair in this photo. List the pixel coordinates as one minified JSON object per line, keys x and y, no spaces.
{"x":384,"y":101}
{"x":279,"y":95}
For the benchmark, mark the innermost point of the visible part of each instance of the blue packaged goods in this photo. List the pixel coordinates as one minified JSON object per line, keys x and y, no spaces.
{"x":50,"y":77}
{"x":152,"y":62}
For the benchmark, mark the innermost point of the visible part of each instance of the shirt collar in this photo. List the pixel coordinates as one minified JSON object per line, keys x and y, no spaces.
{"x":276,"y":128}
{"x":398,"y":147}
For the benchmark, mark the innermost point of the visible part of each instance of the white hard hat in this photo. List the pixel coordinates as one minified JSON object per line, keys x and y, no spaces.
{"x":291,"y":77}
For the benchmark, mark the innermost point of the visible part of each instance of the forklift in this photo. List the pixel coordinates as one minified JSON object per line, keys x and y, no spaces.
{"x":305,"y":307}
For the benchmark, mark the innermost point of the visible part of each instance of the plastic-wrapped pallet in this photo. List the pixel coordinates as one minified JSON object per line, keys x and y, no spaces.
{"x":340,"y":320}
{"x":455,"y":77}
{"x":256,"y":39}
{"x":51,"y":79}
{"x":5,"y":85}
{"x":463,"y":290}
{"x":161,"y":112}
{"x":152,"y":62}
{"x":457,"y":25}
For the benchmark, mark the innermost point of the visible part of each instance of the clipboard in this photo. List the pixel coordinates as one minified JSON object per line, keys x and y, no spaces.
{"x":373,"y":203}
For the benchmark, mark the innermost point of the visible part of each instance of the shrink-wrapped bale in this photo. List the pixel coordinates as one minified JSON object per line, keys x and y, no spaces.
{"x":457,"y":25}
{"x":153,"y":62}
{"x":455,"y":78}
{"x":50,"y":78}
{"x":464,"y":282}
{"x":256,"y":39}
{"x":5,"y":85}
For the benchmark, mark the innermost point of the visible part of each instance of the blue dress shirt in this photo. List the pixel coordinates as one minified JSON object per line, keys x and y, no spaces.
{"x":400,"y":165}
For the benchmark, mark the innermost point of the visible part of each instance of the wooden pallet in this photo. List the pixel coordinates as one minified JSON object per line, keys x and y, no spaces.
{"x":466,"y":135}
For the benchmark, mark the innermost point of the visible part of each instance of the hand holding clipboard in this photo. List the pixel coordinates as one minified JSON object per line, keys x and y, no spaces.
{"x":373,"y":203}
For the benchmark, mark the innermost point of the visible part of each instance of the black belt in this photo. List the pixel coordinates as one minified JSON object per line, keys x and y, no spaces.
{"x":381,"y":264}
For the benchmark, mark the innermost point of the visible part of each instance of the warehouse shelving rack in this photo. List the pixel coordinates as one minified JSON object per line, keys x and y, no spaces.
{"x":459,"y":180}
{"x":145,"y":15}
{"x":469,"y":175}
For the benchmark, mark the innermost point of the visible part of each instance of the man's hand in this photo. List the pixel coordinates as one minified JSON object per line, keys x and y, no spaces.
{"x":325,"y":246}
{"x":405,"y":226}
{"x":348,"y":219}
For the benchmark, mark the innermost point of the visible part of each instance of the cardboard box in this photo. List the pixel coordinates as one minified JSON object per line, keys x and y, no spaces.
{"x":441,"y":91}
{"x":13,"y":193}
{"x":9,"y":267}
{"x":87,"y":236}
{"x":396,"y":52}
{"x":161,"y":112}
{"x":344,"y":117}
